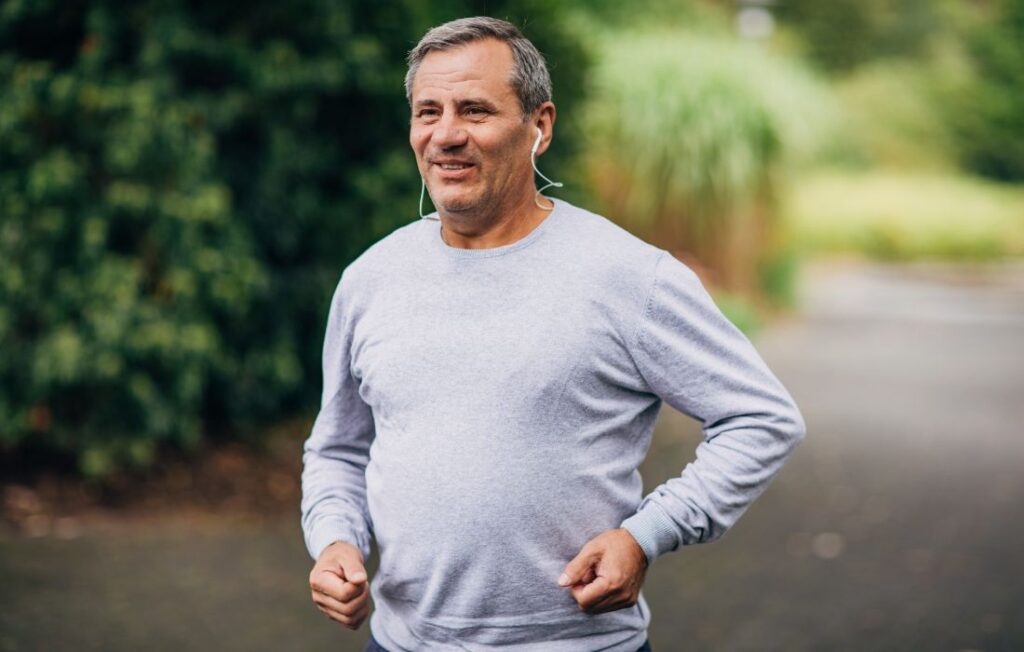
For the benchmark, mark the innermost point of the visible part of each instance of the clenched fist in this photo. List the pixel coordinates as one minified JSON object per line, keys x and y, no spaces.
{"x":341,"y":589}
{"x":607,"y":573}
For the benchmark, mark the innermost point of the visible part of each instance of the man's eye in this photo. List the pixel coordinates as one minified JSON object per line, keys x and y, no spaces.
{"x":426,"y":113}
{"x":477,"y":110}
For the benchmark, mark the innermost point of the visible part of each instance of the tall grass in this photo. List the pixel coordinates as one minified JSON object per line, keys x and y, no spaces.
{"x":689,"y":137}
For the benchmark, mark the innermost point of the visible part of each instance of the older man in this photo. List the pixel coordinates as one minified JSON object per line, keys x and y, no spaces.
{"x":492,"y":376}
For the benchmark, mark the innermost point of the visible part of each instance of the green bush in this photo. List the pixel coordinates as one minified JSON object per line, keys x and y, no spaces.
{"x":988,"y":111}
{"x":180,"y":186}
{"x":895,"y":117}
{"x":840,"y":35}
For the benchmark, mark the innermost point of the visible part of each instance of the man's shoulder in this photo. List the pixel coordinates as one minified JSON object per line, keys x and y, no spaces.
{"x":386,"y":254}
{"x":603,"y":244}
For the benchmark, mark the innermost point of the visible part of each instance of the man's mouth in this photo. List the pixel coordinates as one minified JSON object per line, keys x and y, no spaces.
{"x":454,"y":169}
{"x":452,"y":163}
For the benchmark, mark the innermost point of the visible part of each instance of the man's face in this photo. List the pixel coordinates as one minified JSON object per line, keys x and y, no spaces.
{"x":472,"y":146}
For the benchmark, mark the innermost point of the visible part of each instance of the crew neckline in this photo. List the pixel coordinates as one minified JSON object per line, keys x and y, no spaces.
{"x":434,"y":231}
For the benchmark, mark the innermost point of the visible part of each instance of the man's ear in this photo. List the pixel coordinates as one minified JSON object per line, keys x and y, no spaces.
{"x":544,"y":120}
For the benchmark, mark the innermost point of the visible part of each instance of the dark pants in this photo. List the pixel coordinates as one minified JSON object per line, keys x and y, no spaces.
{"x":373,"y":646}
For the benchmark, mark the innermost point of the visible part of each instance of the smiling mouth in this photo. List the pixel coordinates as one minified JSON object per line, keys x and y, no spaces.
{"x":457,"y":172}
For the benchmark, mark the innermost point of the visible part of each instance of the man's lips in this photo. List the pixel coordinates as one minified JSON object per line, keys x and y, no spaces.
{"x":449,"y":162}
{"x":453,"y":168}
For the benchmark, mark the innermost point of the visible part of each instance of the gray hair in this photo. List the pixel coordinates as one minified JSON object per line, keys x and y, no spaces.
{"x":530,"y":78}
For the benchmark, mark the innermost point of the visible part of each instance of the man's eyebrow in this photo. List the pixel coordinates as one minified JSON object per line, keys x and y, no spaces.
{"x":479,"y":101}
{"x":471,"y":101}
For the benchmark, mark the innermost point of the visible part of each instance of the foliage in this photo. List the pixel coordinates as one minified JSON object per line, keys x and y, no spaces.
{"x":694,"y":15}
{"x":895,"y":117}
{"x":688,"y":137}
{"x":840,"y":35}
{"x":181,"y":184}
{"x":778,"y":274}
{"x":904,"y":216}
{"x":988,"y":111}
{"x":739,"y":310}
{"x":930,"y":83}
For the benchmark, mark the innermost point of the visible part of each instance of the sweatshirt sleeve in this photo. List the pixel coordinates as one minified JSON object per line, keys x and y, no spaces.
{"x":336,"y":453}
{"x":691,"y":356}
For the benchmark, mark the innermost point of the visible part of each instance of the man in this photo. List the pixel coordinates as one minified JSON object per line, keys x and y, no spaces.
{"x":491,"y":382}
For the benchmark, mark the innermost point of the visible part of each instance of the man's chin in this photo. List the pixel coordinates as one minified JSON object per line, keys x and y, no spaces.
{"x":458,"y":204}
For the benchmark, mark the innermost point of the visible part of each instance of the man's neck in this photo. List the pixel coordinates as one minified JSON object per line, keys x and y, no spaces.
{"x":502,"y":227}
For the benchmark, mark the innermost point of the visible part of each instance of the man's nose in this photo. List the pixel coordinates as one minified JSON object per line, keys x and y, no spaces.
{"x":448,"y":134}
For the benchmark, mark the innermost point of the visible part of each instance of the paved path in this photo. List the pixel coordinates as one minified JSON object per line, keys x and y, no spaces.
{"x":897,"y":523}
{"x":895,"y":526}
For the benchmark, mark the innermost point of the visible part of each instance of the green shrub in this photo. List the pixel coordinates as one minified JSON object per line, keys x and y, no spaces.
{"x":181,"y":185}
{"x":778,"y":276}
{"x":840,"y":35}
{"x":988,"y":110}
{"x":740,"y":311}
{"x":894,"y":115}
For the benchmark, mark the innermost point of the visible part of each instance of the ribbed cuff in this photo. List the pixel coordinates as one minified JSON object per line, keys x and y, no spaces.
{"x":325,"y":533}
{"x":653,"y":530}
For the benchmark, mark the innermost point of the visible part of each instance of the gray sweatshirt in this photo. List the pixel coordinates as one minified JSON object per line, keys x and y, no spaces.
{"x":484,"y":413}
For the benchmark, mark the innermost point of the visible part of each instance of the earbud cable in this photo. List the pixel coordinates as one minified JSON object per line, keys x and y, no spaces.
{"x":550,"y":184}
{"x":536,"y":195}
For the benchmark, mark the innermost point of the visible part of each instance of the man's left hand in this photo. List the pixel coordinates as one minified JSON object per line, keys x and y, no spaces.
{"x":607,"y":573}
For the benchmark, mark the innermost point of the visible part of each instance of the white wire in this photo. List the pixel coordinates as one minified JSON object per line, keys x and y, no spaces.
{"x":550,"y":184}
{"x":536,"y":195}
{"x":423,"y":191}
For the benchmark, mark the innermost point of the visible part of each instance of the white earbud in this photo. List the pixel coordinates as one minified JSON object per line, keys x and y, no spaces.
{"x":556,"y":184}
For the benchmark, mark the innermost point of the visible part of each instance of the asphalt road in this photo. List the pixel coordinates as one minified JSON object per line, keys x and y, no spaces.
{"x":896,"y":525}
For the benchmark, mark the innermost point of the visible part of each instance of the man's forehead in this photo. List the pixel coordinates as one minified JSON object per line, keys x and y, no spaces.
{"x":485,"y":65}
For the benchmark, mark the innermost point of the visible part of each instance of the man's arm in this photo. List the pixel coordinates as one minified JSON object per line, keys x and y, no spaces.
{"x":337,"y":451}
{"x":698,"y":362}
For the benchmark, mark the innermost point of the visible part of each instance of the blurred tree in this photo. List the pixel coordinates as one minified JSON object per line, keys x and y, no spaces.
{"x":842,"y":34}
{"x":988,"y":110}
{"x":181,"y":183}
{"x":699,"y":15}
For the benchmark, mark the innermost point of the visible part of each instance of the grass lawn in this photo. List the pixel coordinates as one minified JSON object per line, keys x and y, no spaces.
{"x":898,"y":215}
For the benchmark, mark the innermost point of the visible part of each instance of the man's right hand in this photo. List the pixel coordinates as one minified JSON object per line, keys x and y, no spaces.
{"x":341,"y":588}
